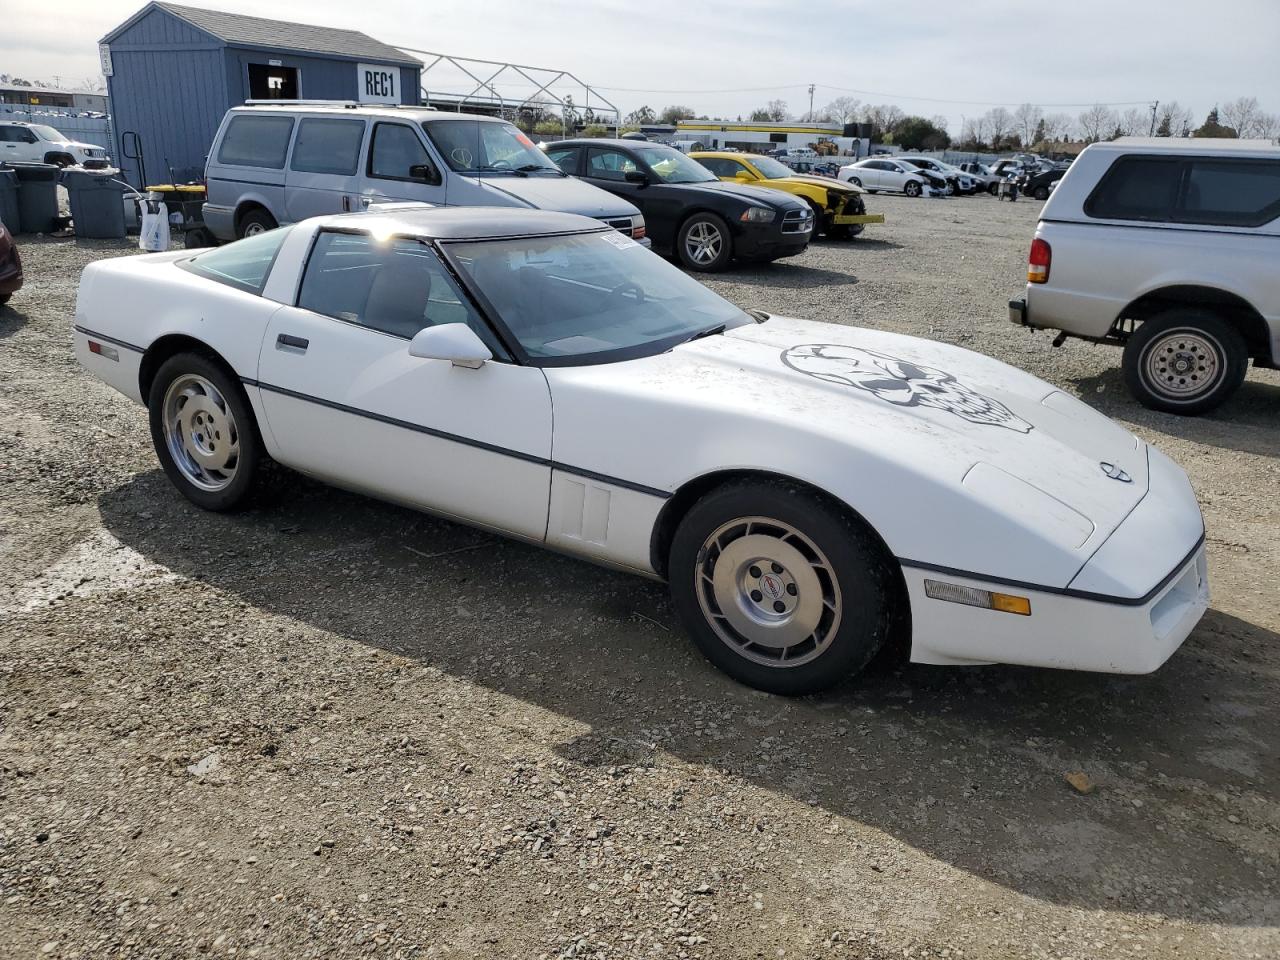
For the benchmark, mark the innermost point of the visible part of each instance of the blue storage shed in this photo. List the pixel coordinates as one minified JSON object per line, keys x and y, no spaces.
{"x":173,"y":71}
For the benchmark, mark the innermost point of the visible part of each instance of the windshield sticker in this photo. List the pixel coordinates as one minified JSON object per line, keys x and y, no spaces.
{"x":900,"y":382}
{"x":618,"y":240}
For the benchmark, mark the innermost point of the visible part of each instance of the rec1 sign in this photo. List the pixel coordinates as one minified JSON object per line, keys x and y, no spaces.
{"x":378,"y":84}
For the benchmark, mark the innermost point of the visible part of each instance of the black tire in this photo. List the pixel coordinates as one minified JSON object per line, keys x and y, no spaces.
{"x":698,"y":222}
{"x":198,"y":238}
{"x":60,"y":159}
{"x":856,"y":574}
{"x":820,"y":225}
{"x":254,"y":221}
{"x":912,"y":188}
{"x":4,"y":298}
{"x":855,"y":181}
{"x":249,"y":464}
{"x":993,"y":189}
{"x":1041,"y":193}
{"x":1185,"y":360}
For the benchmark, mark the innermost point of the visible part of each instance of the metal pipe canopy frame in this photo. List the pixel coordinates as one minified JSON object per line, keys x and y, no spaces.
{"x":471,"y":66}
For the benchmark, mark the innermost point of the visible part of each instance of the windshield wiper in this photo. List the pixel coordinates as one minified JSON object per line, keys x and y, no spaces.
{"x":533,"y":167}
{"x":492,"y":169}
{"x":709,"y":332}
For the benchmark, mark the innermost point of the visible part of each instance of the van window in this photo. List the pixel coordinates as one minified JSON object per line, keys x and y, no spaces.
{"x":396,"y":288}
{"x":328,"y":146}
{"x":243,"y":264}
{"x":256,"y":141}
{"x":396,"y":149}
{"x":1136,"y":188}
{"x":1231,"y":193}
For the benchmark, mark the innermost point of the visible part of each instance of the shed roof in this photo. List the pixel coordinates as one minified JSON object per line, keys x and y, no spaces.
{"x":239,"y":30}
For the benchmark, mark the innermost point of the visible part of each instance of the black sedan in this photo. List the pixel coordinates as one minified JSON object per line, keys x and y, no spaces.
{"x":1039,"y":185}
{"x":687,"y":210}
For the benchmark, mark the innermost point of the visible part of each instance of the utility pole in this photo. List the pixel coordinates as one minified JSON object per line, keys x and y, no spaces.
{"x":1154,"y":107}
{"x":811,"y":103}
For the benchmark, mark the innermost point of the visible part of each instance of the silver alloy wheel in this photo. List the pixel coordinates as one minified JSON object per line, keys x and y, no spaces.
{"x":703,"y":242}
{"x":255,"y":228}
{"x":768,"y":592}
{"x":1183,"y":364}
{"x":200,"y":432}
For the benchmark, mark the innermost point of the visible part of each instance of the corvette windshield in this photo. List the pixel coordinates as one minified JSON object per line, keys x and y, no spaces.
{"x":771,"y":169}
{"x":671,"y":166}
{"x":480,"y":146}
{"x":590,"y":297}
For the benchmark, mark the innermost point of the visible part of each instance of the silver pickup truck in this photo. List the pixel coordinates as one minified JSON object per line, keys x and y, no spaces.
{"x":1171,"y":249}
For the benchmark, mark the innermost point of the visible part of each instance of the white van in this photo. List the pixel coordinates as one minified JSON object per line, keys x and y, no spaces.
{"x":286,"y":161}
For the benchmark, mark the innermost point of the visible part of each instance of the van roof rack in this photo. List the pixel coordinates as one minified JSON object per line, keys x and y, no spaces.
{"x":349,"y":104}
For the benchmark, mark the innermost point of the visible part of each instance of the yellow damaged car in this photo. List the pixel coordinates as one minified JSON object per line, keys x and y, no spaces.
{"x":837,"y":206}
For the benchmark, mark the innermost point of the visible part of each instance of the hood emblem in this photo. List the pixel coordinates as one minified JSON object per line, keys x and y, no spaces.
{"x":1115,"y":472}
{"x":901,"y":382}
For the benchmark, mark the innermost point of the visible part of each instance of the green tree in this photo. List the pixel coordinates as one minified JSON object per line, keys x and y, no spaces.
{"x":1213,"y":128}
{"x":917,"y":133}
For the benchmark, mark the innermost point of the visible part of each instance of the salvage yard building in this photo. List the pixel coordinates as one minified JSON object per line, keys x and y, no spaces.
{"x":173,"y":71}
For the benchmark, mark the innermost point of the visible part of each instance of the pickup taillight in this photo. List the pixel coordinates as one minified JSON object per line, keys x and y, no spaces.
{"x":1038,"y":261}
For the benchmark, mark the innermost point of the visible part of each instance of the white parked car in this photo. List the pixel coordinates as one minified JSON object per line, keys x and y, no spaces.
{"x":1168,"y":247}
{"x":959,"y":181}
{"x":881,"y":173}
{"x":40,"y":143}
{"x":982,"y":174}
{"x":806,"y":489}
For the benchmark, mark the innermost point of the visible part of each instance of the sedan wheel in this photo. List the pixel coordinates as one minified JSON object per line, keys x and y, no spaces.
{"x":779,"y":588}
{"x":204,"y":432}
{"x":704,"y":244}
{"x":912,"y":189}
{"x":855,"y":181}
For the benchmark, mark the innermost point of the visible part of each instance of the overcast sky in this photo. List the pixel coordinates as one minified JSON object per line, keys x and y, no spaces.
{"x":925,"y":57}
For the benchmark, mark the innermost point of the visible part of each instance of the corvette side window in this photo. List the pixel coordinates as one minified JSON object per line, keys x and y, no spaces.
{"x":396,"y":287}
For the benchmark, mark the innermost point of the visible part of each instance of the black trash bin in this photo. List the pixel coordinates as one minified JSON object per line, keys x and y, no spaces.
{"x":37,"y":197}
{"x":8,"y":198}
{"x":97,"y":204}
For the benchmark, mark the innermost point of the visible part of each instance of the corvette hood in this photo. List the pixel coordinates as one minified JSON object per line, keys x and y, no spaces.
{"x":1022,"y":478}
{"x":562,"y":194}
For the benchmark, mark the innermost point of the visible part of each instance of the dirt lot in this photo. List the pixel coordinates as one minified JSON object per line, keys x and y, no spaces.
{"x":337,"y":728}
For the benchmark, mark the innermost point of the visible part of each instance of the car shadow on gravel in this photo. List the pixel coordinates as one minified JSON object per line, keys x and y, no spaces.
{"x":965,"y":765}
{"x":12,"y":319}
{"x":788,"y":276}
{"x":1246,"y":422}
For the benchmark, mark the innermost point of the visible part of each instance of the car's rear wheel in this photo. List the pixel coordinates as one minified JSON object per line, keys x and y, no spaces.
{"x":1041,"y":193}
{"x":204,"y":432}
{"x":1185,"y":361}
{"x":779,"y":588}
{"x":704,"y":243}
{"x":912,"y":189}
{"x":254,"y":222}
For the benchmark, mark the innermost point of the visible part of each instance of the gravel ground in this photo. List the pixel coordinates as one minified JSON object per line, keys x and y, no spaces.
{"x":335,"y":728}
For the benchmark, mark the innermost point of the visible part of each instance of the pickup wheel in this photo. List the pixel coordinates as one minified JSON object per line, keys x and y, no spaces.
{"x":204,"y":432}
{"x":704,"y":244}
{"x":1185,"y":361}
{"x":912,"y":188}
{"x":780,"y":589}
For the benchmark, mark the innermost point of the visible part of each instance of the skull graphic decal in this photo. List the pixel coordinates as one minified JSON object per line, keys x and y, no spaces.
{"x":900,"y":382}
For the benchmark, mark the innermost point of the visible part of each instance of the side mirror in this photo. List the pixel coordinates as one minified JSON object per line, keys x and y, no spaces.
{"x":636,"y":176}
{"x":424,"y":172}
{"x":455,"y":342}
{"x":743,"y":177}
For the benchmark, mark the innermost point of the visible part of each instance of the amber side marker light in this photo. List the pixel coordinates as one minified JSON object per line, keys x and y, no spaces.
{"x":973,"y":597}
{"x":1038,"y":261}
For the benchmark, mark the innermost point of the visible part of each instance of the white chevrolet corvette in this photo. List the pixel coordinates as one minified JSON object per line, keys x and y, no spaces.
{"x":803,"y":487}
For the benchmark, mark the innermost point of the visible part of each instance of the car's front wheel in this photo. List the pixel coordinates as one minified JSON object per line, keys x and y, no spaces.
{"x":912,"y":189}
{"x":855,"y":181}
{"x":1185,"y":361}
{"x":704,"y":243}
{"x":204,"y":432}
{"x":780,"y":589}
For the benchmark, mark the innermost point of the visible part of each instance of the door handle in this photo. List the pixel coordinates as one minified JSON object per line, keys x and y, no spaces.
{"x":289,"y":342}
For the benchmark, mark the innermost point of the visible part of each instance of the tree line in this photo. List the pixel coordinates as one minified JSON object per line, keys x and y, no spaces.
{"x":1025,"y":127}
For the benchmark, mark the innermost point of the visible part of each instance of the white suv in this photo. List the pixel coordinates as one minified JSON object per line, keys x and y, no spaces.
{"x":1171,"y":248}
{"x":40,"y":143}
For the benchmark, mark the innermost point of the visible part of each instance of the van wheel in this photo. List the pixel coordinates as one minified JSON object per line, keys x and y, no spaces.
{"x":255,"y":222}
{"x":1185,"y":361}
